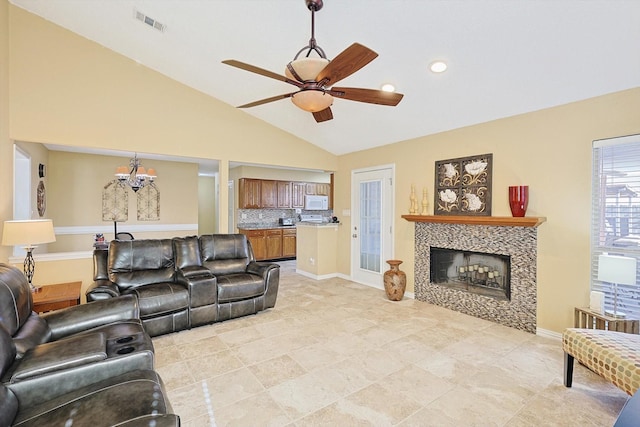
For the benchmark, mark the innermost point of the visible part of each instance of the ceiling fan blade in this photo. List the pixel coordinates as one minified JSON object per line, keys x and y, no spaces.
{"x":261,"y":71}
{"x":267,"y":100}
{"x":346,"y":63}
{"x":323,"y":115}
{"x":372,"y":96}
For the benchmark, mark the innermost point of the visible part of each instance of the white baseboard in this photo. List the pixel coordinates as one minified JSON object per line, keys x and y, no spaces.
{"x":549,"y":334}
{"x":315,"y":276}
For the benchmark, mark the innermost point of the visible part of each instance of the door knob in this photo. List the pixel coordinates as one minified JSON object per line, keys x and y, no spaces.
{"x":354,"y":236}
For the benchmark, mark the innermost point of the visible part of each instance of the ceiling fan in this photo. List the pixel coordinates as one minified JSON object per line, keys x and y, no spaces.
{"x":315,"y":77}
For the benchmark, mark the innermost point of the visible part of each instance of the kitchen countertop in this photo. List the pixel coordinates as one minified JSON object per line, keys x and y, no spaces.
{"x":263,"y":226}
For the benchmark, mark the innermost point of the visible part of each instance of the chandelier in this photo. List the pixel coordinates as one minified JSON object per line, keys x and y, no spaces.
{"x":136,"y":176}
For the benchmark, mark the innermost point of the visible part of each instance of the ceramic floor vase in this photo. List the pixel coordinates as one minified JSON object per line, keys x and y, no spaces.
{"x":395,"y":280}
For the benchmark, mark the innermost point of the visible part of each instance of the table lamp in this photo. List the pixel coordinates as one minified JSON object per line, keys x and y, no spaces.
{"x":616,"y":270}
{"x":28,"y":233}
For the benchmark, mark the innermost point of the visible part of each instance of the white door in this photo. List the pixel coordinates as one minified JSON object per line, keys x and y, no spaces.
{"x":371,"y":223}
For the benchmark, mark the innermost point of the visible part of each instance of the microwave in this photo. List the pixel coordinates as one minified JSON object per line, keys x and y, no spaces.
{"x":316,"y":203}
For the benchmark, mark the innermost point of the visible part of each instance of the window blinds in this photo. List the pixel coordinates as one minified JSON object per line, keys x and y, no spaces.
{"x":615,"y":226}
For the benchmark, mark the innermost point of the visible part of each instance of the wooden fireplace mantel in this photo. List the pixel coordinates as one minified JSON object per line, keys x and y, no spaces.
{"x":505,"y":221}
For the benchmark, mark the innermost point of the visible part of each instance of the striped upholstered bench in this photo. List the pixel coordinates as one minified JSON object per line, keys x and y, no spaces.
{"x":614,"y":356}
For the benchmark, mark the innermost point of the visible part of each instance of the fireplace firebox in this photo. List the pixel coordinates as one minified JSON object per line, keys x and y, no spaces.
{"x":474,"y":272}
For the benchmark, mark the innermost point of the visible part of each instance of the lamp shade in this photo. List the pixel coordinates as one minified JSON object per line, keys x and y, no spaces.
{"x":312,"y":100}
{"x":617,"y":269}
{"x":306,"y":68}
{"x":28,"y":232}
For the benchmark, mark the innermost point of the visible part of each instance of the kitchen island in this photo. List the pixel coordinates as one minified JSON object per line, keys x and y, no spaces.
{"x":317,"y":250}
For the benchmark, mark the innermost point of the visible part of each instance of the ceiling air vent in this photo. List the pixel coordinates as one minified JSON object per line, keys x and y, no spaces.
{"x":149,"y":21}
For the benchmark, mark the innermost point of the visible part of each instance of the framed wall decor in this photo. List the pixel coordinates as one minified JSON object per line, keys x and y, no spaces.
{"x":463,"y":186}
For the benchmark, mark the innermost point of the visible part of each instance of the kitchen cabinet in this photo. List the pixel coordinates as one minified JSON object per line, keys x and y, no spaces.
{"x":268,"y":194}
{"x":323,"y":189}
{"x":272,"y":243}
{"x":258,"y":242}
{"x":284,"y":194}
{"x":289,"y":242}
{"x":273,"y":194}
{"x":297,"y":194}
{"x":249,"y":193}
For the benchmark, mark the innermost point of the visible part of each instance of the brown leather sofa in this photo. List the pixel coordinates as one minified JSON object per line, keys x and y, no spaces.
{"x":185,"y":282}
{"x":57,"y":365}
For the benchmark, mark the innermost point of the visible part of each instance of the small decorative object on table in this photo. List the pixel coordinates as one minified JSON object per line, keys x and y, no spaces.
{"x":518,"y":200}
{"x":395,"y":280}
{"x":99,"y":242}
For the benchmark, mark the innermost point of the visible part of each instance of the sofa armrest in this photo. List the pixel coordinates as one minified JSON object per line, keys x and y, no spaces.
{"x":202,"y":287}
{"x":101,"y":290}
{"x":261,"y":268}
{"x":270,"y":273}
{"x":79,"y":318}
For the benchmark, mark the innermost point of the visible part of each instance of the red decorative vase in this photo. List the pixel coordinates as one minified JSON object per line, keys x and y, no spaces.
{"x":518,"y":199}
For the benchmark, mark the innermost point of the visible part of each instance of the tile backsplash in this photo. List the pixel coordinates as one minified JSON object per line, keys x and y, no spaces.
{"x":268,"y":217}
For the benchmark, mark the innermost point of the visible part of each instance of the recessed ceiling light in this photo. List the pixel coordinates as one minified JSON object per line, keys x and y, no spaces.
{"x":388,"y":87}
{"x":438,"y":67}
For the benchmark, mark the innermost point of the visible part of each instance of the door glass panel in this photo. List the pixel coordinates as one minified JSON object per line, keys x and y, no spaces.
{"x":370,"y":222}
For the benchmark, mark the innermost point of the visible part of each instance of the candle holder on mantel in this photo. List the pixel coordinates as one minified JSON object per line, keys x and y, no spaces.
{"x":518,"y":199}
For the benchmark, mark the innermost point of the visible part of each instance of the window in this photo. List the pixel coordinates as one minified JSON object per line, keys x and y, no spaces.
{"x":615,"y":227}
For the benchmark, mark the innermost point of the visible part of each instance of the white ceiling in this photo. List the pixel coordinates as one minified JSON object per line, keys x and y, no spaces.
{"x":505,"y":57}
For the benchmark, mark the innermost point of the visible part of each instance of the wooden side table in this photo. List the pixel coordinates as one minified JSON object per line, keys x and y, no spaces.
{"x":54,"y":297}
{"x":589,"y":319}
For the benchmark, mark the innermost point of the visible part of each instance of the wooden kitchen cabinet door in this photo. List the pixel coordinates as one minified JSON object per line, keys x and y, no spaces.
{"x":297,"y":194}
{"x":323,"y":189}
{"x":258,"y":243}
{"x":269,"y":194}
{"x":289,"y":243}
{"x":274,"y":243}
{"x":284,"y":195}
{"x":249,"y":193}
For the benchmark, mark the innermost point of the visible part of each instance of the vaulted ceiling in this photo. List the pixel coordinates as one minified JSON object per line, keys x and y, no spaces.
{"x":505,"y":57}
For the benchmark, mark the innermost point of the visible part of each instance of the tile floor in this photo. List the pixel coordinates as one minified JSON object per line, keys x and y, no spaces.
{"x":337,"y":353}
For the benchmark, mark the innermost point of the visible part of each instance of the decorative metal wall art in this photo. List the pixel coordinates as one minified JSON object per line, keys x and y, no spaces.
{"x":41,"y":199}
{"x":148,"y":203}
{"x":115,"y":202}
{"x":463,"y":186}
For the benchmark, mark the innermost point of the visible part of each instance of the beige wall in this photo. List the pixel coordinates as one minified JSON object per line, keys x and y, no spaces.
{"x":207,"y":209}
{"x":6,"y":147}
{"x":549,"y":150}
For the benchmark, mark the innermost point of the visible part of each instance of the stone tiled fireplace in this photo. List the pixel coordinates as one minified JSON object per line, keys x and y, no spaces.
{"x":519,"y":243}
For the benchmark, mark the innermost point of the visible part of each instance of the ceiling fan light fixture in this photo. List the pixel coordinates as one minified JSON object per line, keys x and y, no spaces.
{"x":306,"y":68}
{"x":312,"y":100}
